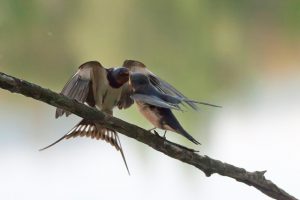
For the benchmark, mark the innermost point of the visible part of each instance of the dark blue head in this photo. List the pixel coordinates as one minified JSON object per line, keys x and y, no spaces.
{"x":117,"y":76}
{"x":138,"y":80}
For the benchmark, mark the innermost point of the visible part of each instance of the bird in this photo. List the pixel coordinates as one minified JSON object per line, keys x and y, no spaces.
{"x":161,"y":85}
{"x":157,"y":100}
{"x":156,"y":106}
{"x":100,"y":88}
{"x":106,"y":88}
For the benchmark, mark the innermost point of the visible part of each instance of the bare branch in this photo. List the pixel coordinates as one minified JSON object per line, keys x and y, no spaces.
{"x":206,"y":164}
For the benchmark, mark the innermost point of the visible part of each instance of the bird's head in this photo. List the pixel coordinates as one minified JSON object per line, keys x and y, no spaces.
{"x":133,"y":63}
{"x":138,"y":80}
{"x":120,"y":75}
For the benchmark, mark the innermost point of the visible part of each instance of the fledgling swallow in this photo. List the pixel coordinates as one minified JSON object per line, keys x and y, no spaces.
{"x":156,"y":106}
{"x":100,"y":88}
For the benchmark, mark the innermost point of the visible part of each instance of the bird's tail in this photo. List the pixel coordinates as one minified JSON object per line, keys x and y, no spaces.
{"x":172,"y":124}
{"x":94,"y":131}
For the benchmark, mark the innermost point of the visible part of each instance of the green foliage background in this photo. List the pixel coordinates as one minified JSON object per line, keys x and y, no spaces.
{"x":210,"y":50}
{"x":243,"y":55}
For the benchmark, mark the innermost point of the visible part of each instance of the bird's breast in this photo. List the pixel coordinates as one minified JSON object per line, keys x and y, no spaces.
{"x":150,"y":113}
{"x":110,"y":98}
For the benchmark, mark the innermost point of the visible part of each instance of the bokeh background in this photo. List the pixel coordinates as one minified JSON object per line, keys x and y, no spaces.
{"x":243,"y":55}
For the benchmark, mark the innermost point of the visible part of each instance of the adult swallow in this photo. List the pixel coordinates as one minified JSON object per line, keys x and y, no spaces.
{"x":161,"y":85}
{"x":158,"y":102}
{"x":100,"y":88}
{"x":156,"y":106}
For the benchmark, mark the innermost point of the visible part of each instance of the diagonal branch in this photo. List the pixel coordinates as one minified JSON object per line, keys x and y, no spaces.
{"x":206,"y":164}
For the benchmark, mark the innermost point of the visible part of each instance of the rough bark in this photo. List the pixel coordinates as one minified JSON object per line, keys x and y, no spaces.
{"x":206,"y":164}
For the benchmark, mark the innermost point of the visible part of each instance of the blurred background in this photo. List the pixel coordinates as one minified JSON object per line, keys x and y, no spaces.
{"x":243,"y":55}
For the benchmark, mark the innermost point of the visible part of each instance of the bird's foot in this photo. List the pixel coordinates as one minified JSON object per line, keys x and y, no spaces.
{"x":156,"y":133}
{"x":164,"y":136}
{"x":152,"y":129}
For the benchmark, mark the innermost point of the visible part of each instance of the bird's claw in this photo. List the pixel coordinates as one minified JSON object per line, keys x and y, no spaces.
{"x":164,"y":136}
{"x":156,"y":133}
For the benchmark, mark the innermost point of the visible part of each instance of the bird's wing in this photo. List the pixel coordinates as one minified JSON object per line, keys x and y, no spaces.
{"x":158,"y":83}
{"x":154,"y":101}
{"x":167,"y":88}
{"x":80,"y":87}
{"x":125,"y":100}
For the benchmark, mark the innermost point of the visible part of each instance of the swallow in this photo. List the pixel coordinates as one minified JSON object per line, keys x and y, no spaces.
{"x":156,"y":106}
{"x":159,"y":101}
{"x":100,"y":88}
{"x":164,"y":87}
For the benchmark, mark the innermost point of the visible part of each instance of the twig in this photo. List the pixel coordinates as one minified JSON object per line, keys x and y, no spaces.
{"x":206,"y":164}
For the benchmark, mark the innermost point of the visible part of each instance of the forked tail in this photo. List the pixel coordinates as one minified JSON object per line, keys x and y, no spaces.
{"x":94,"y":131}
{"x":188,"y":136}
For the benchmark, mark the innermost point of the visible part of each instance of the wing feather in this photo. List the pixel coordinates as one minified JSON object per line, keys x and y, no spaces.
{"x":90,"y":129}
{"x":81,"y":88}
{"x":162,"y":85}
{"x":125,"y":100}
{"x":154,"y":101}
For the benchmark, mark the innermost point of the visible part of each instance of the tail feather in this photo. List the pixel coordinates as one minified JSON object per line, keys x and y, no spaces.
{"x":171,"y":123}
{"x":94,"y":131}
{"x":188,"y":136}
{"x":203,"y":103}
{"x":208,"y":104}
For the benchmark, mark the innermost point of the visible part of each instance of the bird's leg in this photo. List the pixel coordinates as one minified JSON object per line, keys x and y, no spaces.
{"x":152,"y":129}
{"x":165,"y":134}
{"x":155,"y":132}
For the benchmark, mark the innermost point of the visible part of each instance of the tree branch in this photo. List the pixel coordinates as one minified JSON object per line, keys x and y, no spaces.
{"x":206,"y":164}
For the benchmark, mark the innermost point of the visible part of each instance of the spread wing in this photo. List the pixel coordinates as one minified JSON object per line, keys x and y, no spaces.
{"x":81,"y":87}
